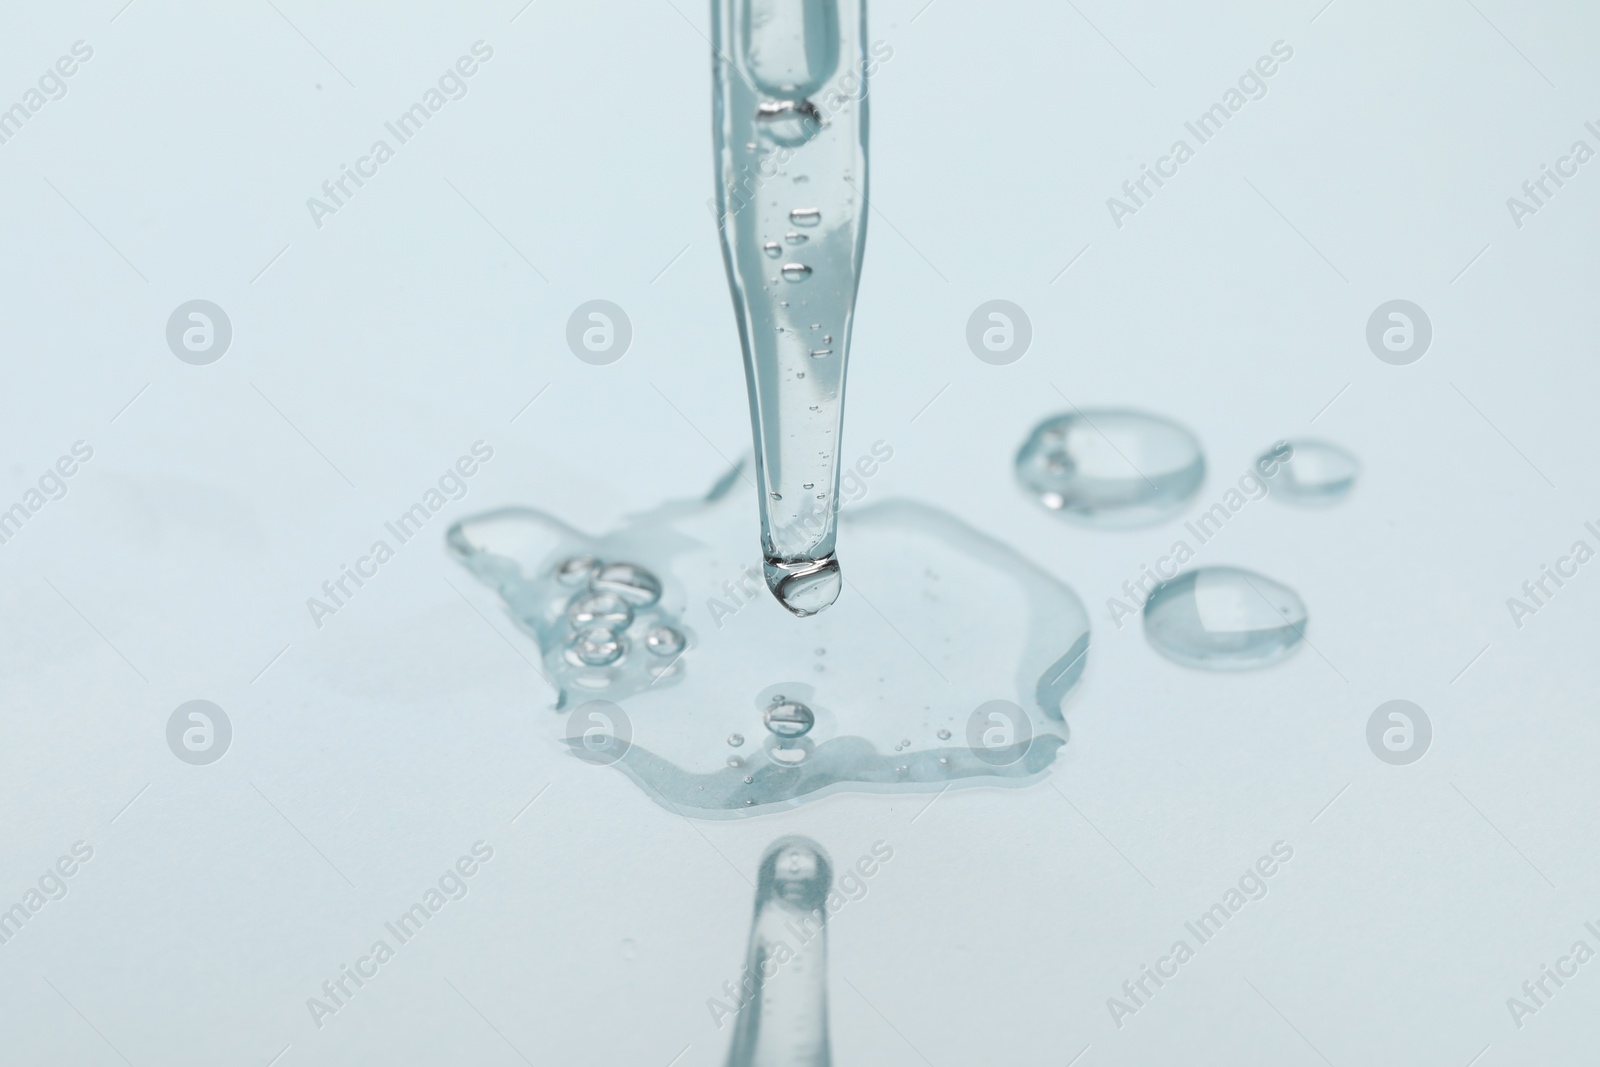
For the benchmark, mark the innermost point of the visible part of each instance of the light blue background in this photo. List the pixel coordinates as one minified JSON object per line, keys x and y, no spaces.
{"x":422,"y":318}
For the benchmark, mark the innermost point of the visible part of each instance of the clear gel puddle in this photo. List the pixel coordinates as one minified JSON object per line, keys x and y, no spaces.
{"x":1224,"y":618}
{"x":791,"y":137}
{"x":1316,"y":474}
{"x":781,"y":996}
{"x":666,"y":617}
{"x":1111,"y":468}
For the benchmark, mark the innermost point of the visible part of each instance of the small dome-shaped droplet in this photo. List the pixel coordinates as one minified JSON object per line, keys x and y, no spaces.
{"x":576,"y":570}
{"x":1224,"y":618}
{"x":629,"y":581}
{"x":1309,"y":472}
{"x":599,"y":610}
{"x":595,"y":648}
{"x":664,"y":641}
{"x":1111,"y":468}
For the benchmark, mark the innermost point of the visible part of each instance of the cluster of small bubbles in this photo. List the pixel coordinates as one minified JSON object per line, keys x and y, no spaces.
{"x":788,"y":718}
{"x":602,"y":608}
{"x":735,"y":740}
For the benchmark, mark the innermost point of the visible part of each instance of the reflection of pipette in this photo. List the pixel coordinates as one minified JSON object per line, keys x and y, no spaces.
{"x":784,"y":1021}
{"x":791,"y":137}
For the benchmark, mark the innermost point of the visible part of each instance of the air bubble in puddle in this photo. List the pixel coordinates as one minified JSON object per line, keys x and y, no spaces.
{"x":1224,"y":618}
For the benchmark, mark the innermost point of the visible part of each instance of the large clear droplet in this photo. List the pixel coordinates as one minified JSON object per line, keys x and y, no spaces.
{"x":1314,"y":473}
{"x":1224,"y":618}
{"x":805,"y":587}
{"x":1112,"y":468}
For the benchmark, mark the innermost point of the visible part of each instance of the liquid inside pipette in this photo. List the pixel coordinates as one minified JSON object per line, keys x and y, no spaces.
{"x":792,"y":167}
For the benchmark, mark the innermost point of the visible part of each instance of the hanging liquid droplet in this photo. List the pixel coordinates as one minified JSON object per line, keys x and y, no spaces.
{"x":789,"y":718}
{"x":629,"y":581}
{"x":795,"y":272}
{"x":806,"y":216}
{"x":1224,"y":618}
{"x":805,"y":587}
{"x":1313,"y":473}
{"x":1111,"y":468}
{"x":664,"y":641}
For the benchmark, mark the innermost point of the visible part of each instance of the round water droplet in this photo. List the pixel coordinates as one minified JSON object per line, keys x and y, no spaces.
{"x":576,"y":570}
{"x":1112,"y":468}
{"x":789,"y":718}
{"x":664,"y":641}
{"x":796,"y":238}
{"x":805,"y":587}
{"x":599,"y":611}
{"x":749,"y":779}
{"x":806,"y":216}
{"x":944,"y":735}
{"x":773,"y":249}
{"x":735,"y":740}
{"x":1224,"y":618}
{"x":1313,"y":473}
{"x":594,"y":648}
{"x":629,"y":581}
{"x":796,"y":272}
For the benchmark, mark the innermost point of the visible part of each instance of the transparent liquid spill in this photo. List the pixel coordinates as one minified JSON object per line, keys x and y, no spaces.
{"x":1111,"y":468}
{"x":1316,"y":474}
{"x":781,"y":995}
{"x":874,"y":695}
{"x":1224,"y":618}
{"x":790,"y":130}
